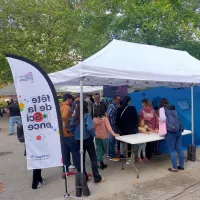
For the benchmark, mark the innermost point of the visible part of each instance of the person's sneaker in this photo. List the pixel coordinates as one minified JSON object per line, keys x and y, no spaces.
{"x":68,"y":174}
{"x":41,"y":184}
{"x":140,"y":160}
{"x":145,"y":159}
{"x":115,"y":159}
{"x":180,"y":168}
{"x":103,"y":166}
{"x":10,"y":134}
{"x":128,"y":162}
{"x":71,"y":173}
{"x":89,"y":177}
{"x":122,"y":157}
{"x":101,"y":181}
{"x":71,"y":167}
{"x":108,"y":156}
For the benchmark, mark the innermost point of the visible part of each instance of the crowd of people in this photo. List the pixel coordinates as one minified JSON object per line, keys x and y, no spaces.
{"x":105,"y":123}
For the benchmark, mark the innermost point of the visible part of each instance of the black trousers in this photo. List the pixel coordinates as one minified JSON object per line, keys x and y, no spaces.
{"x":88,"y":145}
{"x":36,"y":178}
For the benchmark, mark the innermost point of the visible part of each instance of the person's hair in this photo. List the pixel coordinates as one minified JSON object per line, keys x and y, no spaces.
{"x":125,"y":102}
{"x":76,"y":117}
{"x":145,"y":101}
{"x":96,"y":94}
{"x":67,"y":96}
{"x":99,"y":112}
{"x":115,"y":97}
{"x":156,"y":108}
{"x":139,"y":122}
{"x":148,"y":103}
{"x":163,"y":102}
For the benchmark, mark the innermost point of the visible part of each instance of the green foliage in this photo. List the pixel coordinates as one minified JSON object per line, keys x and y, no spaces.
{"x":3,"y":104}
{"x":58,"y":33}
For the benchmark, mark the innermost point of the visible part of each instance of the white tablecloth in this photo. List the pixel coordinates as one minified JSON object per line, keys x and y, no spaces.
{"x":143,"y":138}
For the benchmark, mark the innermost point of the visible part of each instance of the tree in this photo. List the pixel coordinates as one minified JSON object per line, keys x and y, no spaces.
{"x":58,"y":33}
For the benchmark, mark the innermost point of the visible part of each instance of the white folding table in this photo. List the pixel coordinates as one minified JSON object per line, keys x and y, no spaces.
{"x":141,"y":138}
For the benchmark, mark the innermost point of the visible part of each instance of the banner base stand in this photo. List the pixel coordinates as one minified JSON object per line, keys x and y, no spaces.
{"x":68,"y":196}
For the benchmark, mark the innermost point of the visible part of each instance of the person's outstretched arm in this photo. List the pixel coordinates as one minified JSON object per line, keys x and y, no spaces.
{"x":109,"y":128}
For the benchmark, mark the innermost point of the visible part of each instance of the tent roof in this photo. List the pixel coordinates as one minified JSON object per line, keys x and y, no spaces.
{"x":11,"y":91}
{"x":125,"y":63}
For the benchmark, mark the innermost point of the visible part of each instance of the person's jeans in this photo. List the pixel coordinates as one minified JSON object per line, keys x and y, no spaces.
{"x":71,"y":146}
{"x":174,"y":143}
{"x":14,"y":120}
{"x":112,"y":141}
{"x":88,"y":145}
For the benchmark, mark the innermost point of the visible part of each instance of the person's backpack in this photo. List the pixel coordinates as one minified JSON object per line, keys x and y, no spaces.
{"x":20,"y":133}
{"x":172,"y":121}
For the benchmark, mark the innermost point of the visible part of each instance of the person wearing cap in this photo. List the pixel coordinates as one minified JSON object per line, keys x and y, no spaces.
{"x":70,"y":145}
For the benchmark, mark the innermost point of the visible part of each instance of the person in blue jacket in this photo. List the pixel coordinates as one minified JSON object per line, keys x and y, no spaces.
{"x":88,"y":137}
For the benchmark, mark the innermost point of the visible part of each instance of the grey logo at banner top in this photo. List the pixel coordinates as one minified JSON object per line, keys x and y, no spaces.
{"x":27,"y":77}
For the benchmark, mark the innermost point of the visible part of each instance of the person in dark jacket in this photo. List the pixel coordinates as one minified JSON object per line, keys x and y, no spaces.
{"x":127,"y":120}
{"x":98,"y":106}
{"x":15,"y":116}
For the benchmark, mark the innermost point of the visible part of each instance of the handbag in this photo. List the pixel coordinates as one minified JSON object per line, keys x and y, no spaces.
{"x":20,"y":133}
{"x":162,"y":128}
{"x":162,"y":123}
{"x":124,"y":111}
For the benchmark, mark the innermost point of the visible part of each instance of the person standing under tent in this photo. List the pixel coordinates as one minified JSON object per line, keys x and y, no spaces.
{"x":75,"y":103}
{"x":173,"y":137}
{"x":15,"y":116}
{"x":88,"y":137}
{"x":91,"y":98}
{"x":118,"y":111}
{"x":112,"y":116}
{"x":101,"y":127}
{"x":127,"y":120}
{"x":149,"y":115}
{"x":70,"y":145}
{"x":90,"y":103}
{"x":98,"y":106}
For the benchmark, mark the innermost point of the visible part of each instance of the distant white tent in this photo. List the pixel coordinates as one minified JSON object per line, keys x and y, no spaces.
{"x":10,"y":89}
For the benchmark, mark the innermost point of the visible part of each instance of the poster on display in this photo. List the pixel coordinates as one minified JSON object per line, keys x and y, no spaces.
{"x":110,"y":91}
{"x":39,"y":111}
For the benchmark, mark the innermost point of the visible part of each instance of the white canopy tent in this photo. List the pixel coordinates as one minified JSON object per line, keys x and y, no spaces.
{"x":11,"y":91}
{"x":124,"y":63}
{"x":139,"y":65}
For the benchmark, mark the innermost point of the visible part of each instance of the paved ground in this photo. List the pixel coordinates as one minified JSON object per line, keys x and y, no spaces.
{"x":155,"y":182}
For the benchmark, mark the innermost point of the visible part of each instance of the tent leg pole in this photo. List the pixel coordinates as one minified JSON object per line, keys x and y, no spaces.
{"x":81,"y":178}
{"x":81,"y":123}
{"x":192,"y":112}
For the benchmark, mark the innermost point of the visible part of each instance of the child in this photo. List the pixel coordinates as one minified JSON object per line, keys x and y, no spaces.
{"x":143,"y":129}
{"x":102,"y":127}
